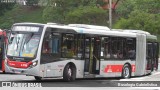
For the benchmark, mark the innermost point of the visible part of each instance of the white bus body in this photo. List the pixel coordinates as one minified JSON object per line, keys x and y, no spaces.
{"x":94,"y":51}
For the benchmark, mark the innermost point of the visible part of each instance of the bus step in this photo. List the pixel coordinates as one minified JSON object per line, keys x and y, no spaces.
{"x":86,"y":73}
{"x":89,"y":76}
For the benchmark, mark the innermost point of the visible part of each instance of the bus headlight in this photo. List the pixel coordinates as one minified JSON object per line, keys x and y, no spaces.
{"x":34,"y":64}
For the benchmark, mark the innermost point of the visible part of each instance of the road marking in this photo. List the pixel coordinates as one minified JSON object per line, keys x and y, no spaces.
{"x":141,"y":78}
{"x":155,"y":73}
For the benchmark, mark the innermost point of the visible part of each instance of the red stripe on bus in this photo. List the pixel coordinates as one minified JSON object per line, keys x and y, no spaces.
{"x":17,"y":64}
{"x":116,"y":68}
{"x":133,"y":68}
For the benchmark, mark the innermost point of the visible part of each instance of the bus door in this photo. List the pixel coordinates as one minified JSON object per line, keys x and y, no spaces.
{"x":156,"y":53}
{"x":87,"y":54}
{"x":149,"y":56}
{"x":96,"y":55}
{"x":92,"y":55}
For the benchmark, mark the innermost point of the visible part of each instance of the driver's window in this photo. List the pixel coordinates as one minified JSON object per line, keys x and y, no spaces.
{"x":51,"y":43}
{"x":51,"y":46}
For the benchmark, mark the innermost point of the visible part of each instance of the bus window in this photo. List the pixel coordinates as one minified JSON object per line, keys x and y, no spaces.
{"x":120,"y":48}
{"x":68,"y":46}
{"x":51,"y":43}
{"x":149,"y":50}
{"x":51,"y":46}
{"x":131,"y":48}
{"x":113,"y":48}
{"x":80,"y":44}
{"x":105,"y":51}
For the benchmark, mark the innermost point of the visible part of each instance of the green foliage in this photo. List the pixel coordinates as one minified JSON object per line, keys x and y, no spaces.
{"x":57,"y":10}
{"x":150,"y":6}
{"x":139,"y":14}
{"x":5,"y":7}
{"x":87,"y":15}
{"x":101,"y":2}
{"x":32,"y":2}
{"x":51,"y":14}
{"x":127,"y":6}
{"x":140,"y":20}
{"x":21,"y":14}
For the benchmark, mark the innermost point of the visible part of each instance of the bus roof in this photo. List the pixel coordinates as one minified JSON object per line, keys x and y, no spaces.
{"x":94,"y":29}
{"x":29,"y":23}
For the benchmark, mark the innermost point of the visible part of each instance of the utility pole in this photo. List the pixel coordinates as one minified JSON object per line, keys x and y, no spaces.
{"x":110,"y":14}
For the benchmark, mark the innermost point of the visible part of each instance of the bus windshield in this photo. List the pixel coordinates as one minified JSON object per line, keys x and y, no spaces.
{"x":23,"y":44}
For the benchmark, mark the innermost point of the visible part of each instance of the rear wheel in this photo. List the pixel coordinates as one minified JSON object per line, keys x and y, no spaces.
{"x":69,"y":73}
{"x":38,"y":78}
{"x":3,"y":72}
{"x":126,"y":73}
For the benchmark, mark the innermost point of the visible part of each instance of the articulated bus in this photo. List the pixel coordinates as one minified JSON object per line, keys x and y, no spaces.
{"x":3,"y":42}
{"x":79,"y":51}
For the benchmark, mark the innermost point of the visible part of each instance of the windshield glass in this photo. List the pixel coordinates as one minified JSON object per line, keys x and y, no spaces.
{"x":23,"y":44}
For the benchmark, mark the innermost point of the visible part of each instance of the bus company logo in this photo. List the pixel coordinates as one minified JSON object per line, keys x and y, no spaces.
{"x":6,"y":84}
{"x":17,"y":84}
{"x":17,"y":59}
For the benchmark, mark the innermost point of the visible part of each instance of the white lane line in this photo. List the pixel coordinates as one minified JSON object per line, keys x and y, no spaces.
{"x":141,"y":78}
{"x":155,"y":73}
{"x":136,"y":78}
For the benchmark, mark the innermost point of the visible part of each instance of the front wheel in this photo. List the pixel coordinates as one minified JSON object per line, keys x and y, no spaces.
{"x":126,"y":73}
{"x":38,"y":78}
{"x":69,"y":73}
{"x":3,"y":72}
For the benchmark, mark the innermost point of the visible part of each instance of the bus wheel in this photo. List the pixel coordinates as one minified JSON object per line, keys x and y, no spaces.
{"x":38,"y":78}
{"x":126,"y":73}
{"x":69,"y":73}
{"x":3,"y":72}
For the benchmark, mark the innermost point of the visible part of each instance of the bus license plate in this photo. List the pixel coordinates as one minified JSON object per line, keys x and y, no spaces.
{"x":17,"y":71}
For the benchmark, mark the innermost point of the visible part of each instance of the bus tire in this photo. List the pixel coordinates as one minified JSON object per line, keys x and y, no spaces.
{"x":38,"y":78}
{"x":69,"y":73}
{"x":126,"y":72}
{"x":3,"y":72}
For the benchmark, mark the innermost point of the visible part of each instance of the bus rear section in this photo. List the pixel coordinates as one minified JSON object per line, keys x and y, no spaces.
{"x":152,"y":53}
{"x":147,"y":54}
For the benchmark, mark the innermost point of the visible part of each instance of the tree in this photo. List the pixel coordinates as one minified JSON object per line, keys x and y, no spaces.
{"x":125,"y":7}
{"x":32,"y":2}
{"x":140,"y":20}
{"x":51,"y":14}
{"x":139,"y":14}
{"x":57,"y":10}
{"x":87,"y":15}
{"x":5,"y":6}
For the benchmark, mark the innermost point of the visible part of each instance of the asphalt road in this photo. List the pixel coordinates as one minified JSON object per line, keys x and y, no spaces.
{"x":100,"y":82}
